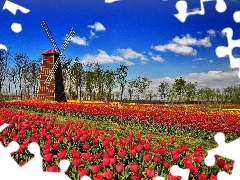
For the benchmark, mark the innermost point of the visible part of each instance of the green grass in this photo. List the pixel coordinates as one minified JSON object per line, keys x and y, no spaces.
{"x":122,"y":131}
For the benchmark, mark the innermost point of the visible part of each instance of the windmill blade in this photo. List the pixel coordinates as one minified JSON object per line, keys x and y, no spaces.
{"x":50,"y":36}
{"x":66,"y":42}
{"x":56,"y":64}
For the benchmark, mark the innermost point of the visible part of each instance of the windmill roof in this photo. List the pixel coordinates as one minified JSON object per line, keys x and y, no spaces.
{"x":50,"y":51}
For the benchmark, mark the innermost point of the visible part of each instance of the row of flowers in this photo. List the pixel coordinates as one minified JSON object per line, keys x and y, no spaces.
{"x":192,"y":121}
{"x":101,"y":154}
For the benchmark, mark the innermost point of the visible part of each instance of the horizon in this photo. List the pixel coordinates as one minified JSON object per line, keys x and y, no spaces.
{"x":144,"y":35}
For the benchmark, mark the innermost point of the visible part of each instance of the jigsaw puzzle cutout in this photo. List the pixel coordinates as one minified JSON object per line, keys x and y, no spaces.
{"x":222,"y":51}
{"x":2,"y":46}
{"x":33,"y":168}
{"x":111,"y":1}
{"x":12,"y":7}
{"x":228,"y":150}
{"x":30,"y":170}
{"x":182,"y":8}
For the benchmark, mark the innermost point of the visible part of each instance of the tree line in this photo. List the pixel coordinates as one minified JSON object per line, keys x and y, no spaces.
{"x":19,"y":77}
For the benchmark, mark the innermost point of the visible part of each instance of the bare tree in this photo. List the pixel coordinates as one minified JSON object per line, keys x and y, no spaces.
{"x":21,"y":62}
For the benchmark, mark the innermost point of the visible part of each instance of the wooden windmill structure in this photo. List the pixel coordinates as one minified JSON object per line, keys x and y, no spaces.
{"x":51,"y":79}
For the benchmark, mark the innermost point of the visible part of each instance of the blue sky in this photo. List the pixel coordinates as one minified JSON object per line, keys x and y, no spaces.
{"x":143,"y":34}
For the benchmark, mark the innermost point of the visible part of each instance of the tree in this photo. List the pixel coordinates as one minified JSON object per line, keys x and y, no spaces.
{"x":31,"y":76}
{"x":99,"y":80}
{"x":21,"y":62}
{"x":131,"y":85}
{"x":121,"y":74}
{"x":208,"y":94}
{"x":179,"y":87}
{"x":163,"y":90}
{"x":190,"y":91}
{"x":3,"y":67}
{"x":90,"y":82}
{"x":65,"y":65}
{"x":109,"y":82}
{"x":78,"y":73}
{"x":150,"y":95}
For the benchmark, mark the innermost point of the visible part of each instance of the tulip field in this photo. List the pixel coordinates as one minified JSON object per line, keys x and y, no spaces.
{"x":119,"y":141}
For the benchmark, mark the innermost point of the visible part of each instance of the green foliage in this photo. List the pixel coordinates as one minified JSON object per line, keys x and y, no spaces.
{"x":4,"y":98}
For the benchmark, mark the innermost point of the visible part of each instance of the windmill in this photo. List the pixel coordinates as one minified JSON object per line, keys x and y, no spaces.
{"x":51,"y":79}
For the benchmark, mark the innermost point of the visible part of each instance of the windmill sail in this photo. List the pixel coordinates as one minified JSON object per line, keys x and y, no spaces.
{"x":58,"y":62}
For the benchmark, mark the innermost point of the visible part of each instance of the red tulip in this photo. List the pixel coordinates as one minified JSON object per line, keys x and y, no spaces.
{"x":83,"y":172}
{"x":56,"y":146}
{"x":176,"y":157}
{"x":226,"y":167}
{"x":136,"y":177}
{"x":156,"y":159}
{"x":162,"y":143}
{"x":95,"y":169}
{"x":91,"y":158}
{"x":171,"y":140}
{"x":108,"y":174}
{"x":76,"y":154}
{"x":98,"y":177}
{"x":221,"y":163}
{"x":47,"y":157}
{"x":106,"y":161}
{"x":149,"y":138}
{"x":171,"y":177}
{"x":86,"y":146}
{"x":147,"y":157}
{"x":202,"y":177}
{"x":134,"y":167}
{"x":139,"y":148}
{"x":167,"y":164}
{"x":22,"y":163}
{"x":52,"y":168}
{"x":111,"y":152}
{"x":213,"y":177}
{"x":86,"y":155}
{"x":150,"y":173}
{"x":95,"y":141}
{"x":119,"y":168}
{"x":76,"y":162}
{"x":139,"y":136}
{"x":62,"y":154}
{"x":122,"y":153}
{"x":97,"y":156}
{"x":132,"y":152}
{"x":147,"y":147}
{"x":199,"y":159}
{"x":113,"y":160}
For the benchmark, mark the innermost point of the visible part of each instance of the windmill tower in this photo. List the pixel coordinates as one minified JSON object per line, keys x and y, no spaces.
{"x":51,"y":80}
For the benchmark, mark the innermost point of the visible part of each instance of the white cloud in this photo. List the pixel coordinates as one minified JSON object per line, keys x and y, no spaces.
{"x":183,"y":45}
{"x":93,"y":34}
{"x":131,"y":54}
{"x":97,"y":27}
{"x":212,"y":79}
{"x":211,"y":61}
{"x":103,"y":58}
{"x":78,"y":40}
{"x":200,"y":59}
{"x":189,"y":41}
{"x":212,"y":32}
{"x":158,"y":58}
{"x":176,"y":48}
